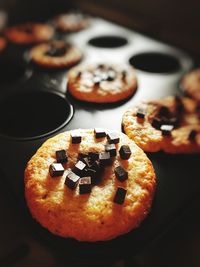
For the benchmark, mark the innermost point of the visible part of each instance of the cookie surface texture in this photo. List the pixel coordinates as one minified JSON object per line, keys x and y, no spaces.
{"x":102,"y":83}
{"x":55,"y":54}
{"x":93,"y":215}
{"x":191,"y":84}
{"x":175,"y":132}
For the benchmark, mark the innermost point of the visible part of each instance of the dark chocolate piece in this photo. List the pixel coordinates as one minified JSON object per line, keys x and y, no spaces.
{"x":125,"y":152}
{"x":173,"y":121}
{"x":56,"y":169}
{"x":156,"y":123}
{"x":111,"y":149}
{"x":82,"y":155}
{"x":192,"y":135}
{"x":179,"y":104}
{"x":111,"y":75}
{"x":96,"y":80}
{"x":99,"y":132}
{"x":113,"y":138}
{"x":71,"y":180}
{"x":120,"y":195}
{"x":104,"y":158}
{"x":124,"y":73}
{"x":61,"y":156}
{"x":140,"y":113}
{"x":85,"y":185}
{"x":93,"y":174}
{"x":96,"y":166}
{"x":121,"y":173}
{"x":79,"y":168}
{"x":164,"y":111}
{"x":87,"y":162}
{"x":93,"y":156}
{"x":166,"y":129}
{"x":56,"y":51}
{"x":76,"y":138}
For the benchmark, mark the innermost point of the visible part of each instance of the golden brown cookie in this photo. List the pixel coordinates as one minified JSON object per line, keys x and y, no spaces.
{"x":170,"y":124}
{"x":102,"y":83}
{"x":29,"y":33}
{"x":55,"y":54}
{"x":191,"y":84}
{"x":71,"y":22}
{"x":111,"y":202}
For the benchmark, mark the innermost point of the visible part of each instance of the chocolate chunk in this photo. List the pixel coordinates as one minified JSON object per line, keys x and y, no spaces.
{"x":76,"y":138}
{"x":96,"y":80}
{"x":56,"y":169}
{"x":166,"y":129}
{"x":56,"y":51}
{"x":179,"y":104}
{"x":61,"y":156}
{"x":93,"y":156}
{"x":79,"y":75}
{"x":96,"y":166}
{"x":104,"y":158}
{"x":192,"y":135}
{"x":164,"y":111}
{"x":82,"y":156}
{"x":124,"y":73}
{"x":71,"y":180}
{"x":113,"y":138}
{"x":121,"y":173}
{"x":85,"y":185}
{"x":79,"y":168}
{"x":125,"y":152}
{"x":156,"y":123}
{"x":101,"y":66}
{"x":173,"y":121}
{"x":99,"y":132}
{"x":111,"y":149}
{"x":87,"y":162}
{"x":93,"y":174}
{"x":120,"y":195}
{"x":140,"y":113}
{"x":111,"y":75}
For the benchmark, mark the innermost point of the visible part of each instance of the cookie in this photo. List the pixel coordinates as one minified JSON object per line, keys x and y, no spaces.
{"x":2,"y":44}
{"x":77,"y":186}
{"x":55,"y":54}
{"x":191,"y":84}
{"x":102,"y":83}
{"x":29,"y":33}
{"x":170,"y":124}
{"x":71,"y":22}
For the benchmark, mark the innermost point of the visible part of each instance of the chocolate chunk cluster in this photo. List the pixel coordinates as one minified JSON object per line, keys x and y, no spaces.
{"x":57,"y":49}
{"x":90,"y":166}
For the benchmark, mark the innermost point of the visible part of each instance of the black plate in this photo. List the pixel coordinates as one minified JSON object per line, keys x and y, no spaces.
{"x":177,"y":176}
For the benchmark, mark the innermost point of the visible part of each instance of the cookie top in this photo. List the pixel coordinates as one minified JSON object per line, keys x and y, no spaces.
{"x":2,"y":43}
{"x":170,"y":124}
{"x":191,"y":84}
{"x":102,"y":83}
{"x":29,"y":33}
{"x":55,"y":54}
{"x":92,"y":207}
{"x":71,"y":22}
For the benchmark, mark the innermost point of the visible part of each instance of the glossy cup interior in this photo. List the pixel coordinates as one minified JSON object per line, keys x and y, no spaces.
{"x":108,"y":41}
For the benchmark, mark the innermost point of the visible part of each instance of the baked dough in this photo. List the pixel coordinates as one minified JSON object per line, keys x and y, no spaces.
{"x":191,"y":84}
{"x":94,"y":216}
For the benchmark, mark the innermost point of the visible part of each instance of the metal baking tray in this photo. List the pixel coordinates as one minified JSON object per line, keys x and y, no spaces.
{"x":34,"y":106}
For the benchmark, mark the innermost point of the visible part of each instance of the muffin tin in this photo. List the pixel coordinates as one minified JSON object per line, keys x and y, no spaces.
{"x":34,"y":106}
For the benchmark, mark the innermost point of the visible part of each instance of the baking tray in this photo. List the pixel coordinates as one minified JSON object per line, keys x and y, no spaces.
{"x":35,"y":106}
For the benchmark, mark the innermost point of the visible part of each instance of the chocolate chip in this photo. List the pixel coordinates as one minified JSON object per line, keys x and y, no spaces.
{"x":56,"y":169}
{"x":61,"y":156}
{"x":125,"y":152}
{"x":99,"y":132}
{"x":141,"y":113}
{"x":179,"y":104}
{"x":104,"y":158}
{"x":166,"y":129}
{"x":113,"y":138}
{"x":124,"y":73}
{"x":111,"y":149}
{"x":121,"y":173}
{"x":96,"y":80}
{"x":164,"y":111}
{"x":56,"y":51}
{"x":87,"y":161}
{"x":156,"y":123}
{"x":93,"y":156}
{"x":76,"y":138}
{"x":71,"y":180}
{"x":85,"y":185}
{"x":120,"y":195}
{"x":192,"y":135}
{"x":111,"y":75}
{"x":93,"y":174}
{"x":173,"y":121}
{"x":79,"y":168}
{"x":96,"y":166}
{"x":82,"y":156}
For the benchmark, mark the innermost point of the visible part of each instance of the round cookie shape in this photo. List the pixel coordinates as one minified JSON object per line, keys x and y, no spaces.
{"x":191,"y":84}
{"x":112,"y":207}
{"x":71,"y":22}
{"x":170,"y":124}
{"x":29,"y":33}
{"x":55,"y":54}
{"x":3,"y":43}
{"x":102,"y":83}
